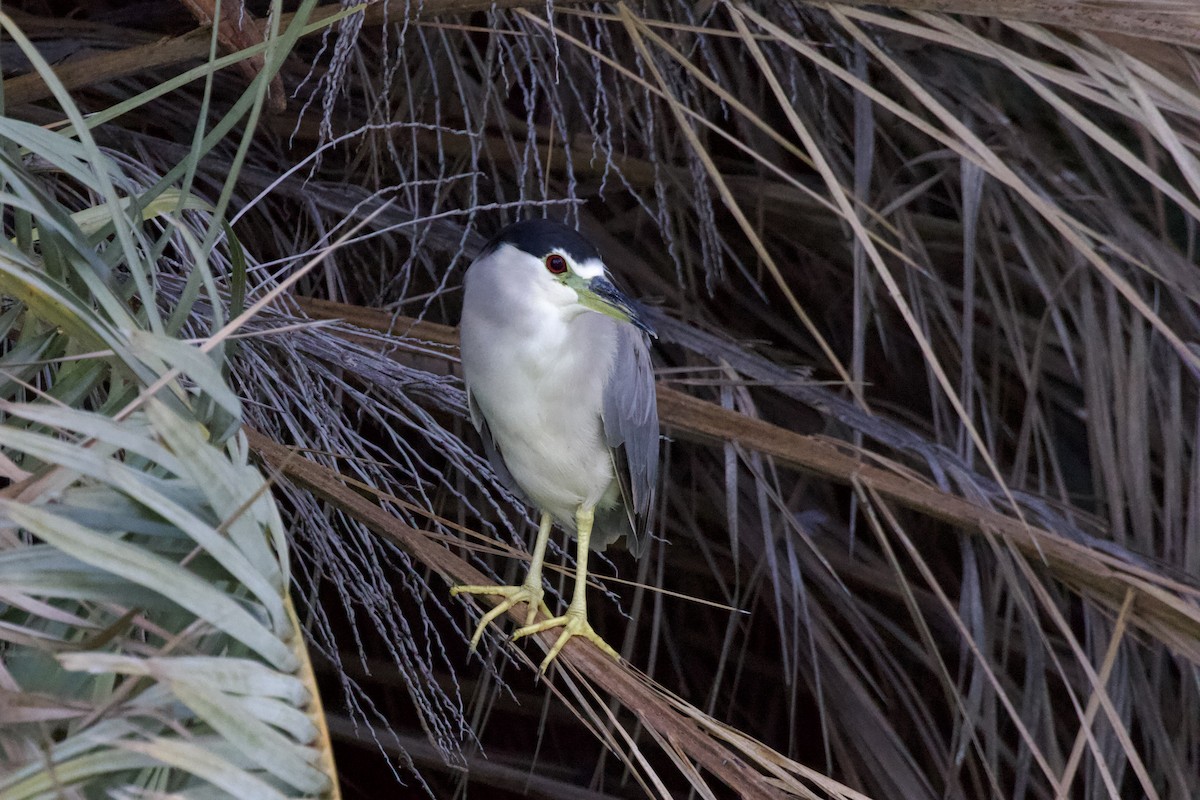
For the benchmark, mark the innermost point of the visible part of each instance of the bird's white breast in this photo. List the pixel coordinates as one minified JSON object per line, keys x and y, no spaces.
{"x":538,"y":379}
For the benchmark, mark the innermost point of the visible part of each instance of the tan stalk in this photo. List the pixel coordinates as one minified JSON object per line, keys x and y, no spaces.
{"x":315,"y":708}
{"x":965,"y":636}
{"x":885,"y":274}
{"x":1177,"y":22}
{"x":954,"y":698}
{"x":751,"y":233}
{"x":1089,"y":714}
{"x":987,"y":158}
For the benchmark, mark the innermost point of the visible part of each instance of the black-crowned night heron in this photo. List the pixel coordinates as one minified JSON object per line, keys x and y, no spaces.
{"x":559,"y":385}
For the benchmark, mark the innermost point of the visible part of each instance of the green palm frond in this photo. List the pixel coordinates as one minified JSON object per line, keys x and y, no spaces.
{"x":148,"y":641}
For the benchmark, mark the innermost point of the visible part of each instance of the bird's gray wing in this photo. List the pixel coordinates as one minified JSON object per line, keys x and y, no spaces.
{"x":495,"y":458}
{"x":630,"y":417}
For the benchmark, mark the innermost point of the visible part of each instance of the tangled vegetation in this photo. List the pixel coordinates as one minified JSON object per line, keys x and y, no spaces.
{"x":925,"y":281}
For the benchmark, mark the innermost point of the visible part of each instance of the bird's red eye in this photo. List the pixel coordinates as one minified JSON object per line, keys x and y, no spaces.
{"x":556,"y":264}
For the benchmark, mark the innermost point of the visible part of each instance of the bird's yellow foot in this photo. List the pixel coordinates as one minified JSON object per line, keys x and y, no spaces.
{"x":530,"y":595}
{"x":573,"y":624}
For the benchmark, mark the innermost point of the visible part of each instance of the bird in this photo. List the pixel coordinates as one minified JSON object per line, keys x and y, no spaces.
{"x":560,"y":385}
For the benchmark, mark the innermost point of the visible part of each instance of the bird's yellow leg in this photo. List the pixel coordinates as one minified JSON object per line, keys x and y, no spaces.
{"x":574,"y":622}
{"x":530,"y":592}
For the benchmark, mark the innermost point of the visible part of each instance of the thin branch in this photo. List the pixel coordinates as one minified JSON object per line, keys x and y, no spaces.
{"x":1178,"y":23}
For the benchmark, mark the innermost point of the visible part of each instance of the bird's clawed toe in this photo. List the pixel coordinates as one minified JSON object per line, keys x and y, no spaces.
{"x":513,"y":595}
{"x":573,"y":624}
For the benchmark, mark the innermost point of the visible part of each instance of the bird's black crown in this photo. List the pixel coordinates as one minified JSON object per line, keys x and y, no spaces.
{"x":540,"y":237}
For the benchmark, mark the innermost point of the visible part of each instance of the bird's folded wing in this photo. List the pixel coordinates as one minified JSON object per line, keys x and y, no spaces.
{"x":630,"y":417}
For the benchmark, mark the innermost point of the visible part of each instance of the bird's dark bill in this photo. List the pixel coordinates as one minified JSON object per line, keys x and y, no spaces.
{"x":603,"y":290}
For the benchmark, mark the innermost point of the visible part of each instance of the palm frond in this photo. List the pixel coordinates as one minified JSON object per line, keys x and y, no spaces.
{"x":149,"y":641}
